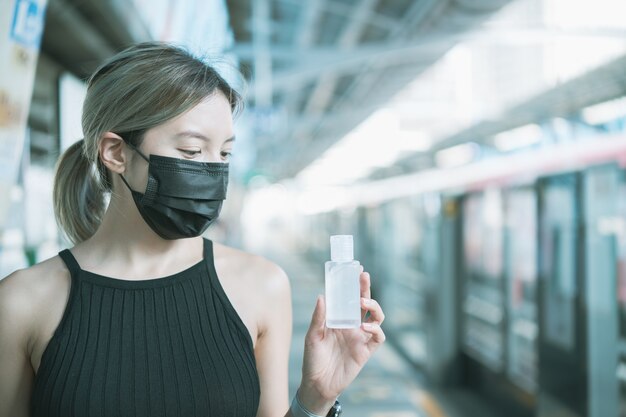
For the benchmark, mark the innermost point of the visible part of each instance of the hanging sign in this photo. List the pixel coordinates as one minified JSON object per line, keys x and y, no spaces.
{"x":21,"y":27}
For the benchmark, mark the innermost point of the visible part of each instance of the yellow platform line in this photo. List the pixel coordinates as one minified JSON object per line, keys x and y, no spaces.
{"x":428,"y":403}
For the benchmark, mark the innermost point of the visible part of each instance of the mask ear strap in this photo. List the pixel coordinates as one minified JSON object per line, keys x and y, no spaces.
{"x":125,"y":137}
{"x":126,"y":182}
{"x":153,"y":185}
{"x":134,"y":148}
{"x":151,"y":190}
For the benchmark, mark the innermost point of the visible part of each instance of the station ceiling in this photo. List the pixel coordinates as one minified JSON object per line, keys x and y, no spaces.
{"x":323,"y":66}
{"x":326,"y":65}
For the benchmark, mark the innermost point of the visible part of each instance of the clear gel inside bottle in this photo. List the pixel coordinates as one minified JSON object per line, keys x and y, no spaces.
{"x":343,"y":293}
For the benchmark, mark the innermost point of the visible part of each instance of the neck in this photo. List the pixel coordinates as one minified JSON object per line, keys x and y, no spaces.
{"x":124,"y":235}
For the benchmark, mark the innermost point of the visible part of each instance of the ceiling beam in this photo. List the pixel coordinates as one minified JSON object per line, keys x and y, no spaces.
{"x":309,"y":18}
{"x":262,"y":57}
{"x":122,"y":15}
{"x":308,"y":23}
{"x":320,"y":61}
{"x":336,"y":62}
{"x":413,"y":18}
{"x":325,"y":87}
{"x":347,"y":10}
{"x":134,"y":22}
{"x":310,"y":120}
{"x":423,"y":17}
{"x":65,"y":16}
{"x":601,"y":84}
{"x":487,"y":35}
{"x":560,"y":101}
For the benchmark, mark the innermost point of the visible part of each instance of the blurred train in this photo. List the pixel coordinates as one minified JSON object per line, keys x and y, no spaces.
{"x":509,"y":280}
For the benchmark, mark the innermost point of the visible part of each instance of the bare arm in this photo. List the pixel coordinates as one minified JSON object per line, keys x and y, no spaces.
{"x":17,"y":376}
{"x":273,"y":344}
{"x":332,"y":358}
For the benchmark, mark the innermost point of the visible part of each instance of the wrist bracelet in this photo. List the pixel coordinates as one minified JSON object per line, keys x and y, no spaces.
{"x":298,"y":410}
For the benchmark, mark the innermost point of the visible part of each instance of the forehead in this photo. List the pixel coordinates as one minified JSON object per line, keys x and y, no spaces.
{"x":212,"y":117}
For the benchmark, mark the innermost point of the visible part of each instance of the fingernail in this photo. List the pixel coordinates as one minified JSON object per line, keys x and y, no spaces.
{"x":368,"y":326}
{"x":366,"y":301}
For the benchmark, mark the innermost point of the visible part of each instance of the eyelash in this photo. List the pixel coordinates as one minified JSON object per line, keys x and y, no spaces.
{"x":194,"y":153}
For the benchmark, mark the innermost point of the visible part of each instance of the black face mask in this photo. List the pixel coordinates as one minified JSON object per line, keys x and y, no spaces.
{"x":182,"y":197}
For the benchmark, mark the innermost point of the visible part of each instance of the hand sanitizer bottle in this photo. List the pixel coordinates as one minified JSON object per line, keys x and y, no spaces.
{"x":343,"y":292}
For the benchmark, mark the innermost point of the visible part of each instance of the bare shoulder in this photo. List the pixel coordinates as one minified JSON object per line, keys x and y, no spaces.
{"x":260,"y":273}
{"x":27,"y":295}
{"x":258,"y":288}
{"x":16,"y":308}
{"x":30,"y":284}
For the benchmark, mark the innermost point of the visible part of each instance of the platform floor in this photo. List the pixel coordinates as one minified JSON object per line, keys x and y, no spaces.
{"x":387,"y":386}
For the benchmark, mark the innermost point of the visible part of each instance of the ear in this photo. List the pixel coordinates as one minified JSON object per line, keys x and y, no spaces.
{"x":112,"y":151}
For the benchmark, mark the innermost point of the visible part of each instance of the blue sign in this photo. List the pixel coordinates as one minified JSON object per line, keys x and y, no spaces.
{"x":28,"y":21}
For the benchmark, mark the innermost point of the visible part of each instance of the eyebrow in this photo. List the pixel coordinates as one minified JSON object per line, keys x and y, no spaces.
{"x":194,"y":134}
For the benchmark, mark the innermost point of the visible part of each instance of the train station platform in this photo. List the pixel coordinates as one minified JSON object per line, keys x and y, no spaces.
{"x":387,"y":386}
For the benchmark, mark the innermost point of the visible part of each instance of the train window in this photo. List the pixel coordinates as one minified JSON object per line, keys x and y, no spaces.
{"x":620,"y":229}
{"x":406,"y":277}
{"x":472,"y":225}
{"x":621,"y":261}
{"x":483,"y":290}
{"x":521,"y":273}
{"x":559,"y":266}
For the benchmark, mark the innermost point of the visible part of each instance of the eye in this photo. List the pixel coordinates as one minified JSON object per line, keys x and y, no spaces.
{"x":226,"y":155}
{"x":190,"y":152}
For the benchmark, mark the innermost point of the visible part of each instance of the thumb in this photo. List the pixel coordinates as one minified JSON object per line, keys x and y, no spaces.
{"x":319,"y":315}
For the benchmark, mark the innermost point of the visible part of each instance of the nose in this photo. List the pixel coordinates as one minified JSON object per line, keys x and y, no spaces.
{"x":214,"y":156}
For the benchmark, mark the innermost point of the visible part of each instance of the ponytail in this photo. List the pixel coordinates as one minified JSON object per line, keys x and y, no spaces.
{"x":79,"y":196}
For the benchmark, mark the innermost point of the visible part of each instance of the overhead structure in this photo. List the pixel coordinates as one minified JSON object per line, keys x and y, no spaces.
{"x":334,"y":62}
{"x":604,"y":83}
{"x":79,"y":35}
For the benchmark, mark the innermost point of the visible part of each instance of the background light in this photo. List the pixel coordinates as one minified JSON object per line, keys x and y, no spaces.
{"x":457,"y":155}
{"x":605,"y":112}
{"x":518,"y":138}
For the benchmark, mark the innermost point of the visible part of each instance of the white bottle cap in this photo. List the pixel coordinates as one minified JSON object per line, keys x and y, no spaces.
{"x":341,"y":248}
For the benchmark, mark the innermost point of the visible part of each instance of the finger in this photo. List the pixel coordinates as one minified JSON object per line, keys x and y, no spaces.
{"x":319,"y":315}
{"x":375,"y":310}
{"x":365,"y":282}
{"x":378,"y":336}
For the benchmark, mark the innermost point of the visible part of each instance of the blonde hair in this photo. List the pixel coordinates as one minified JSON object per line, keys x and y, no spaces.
{"x":135,"y":90}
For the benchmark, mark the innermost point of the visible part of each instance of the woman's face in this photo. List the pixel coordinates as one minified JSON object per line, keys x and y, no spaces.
{"x":204,"y":134}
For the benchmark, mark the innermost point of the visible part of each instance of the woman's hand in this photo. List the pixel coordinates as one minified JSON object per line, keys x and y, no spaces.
{"x":334,"y":357}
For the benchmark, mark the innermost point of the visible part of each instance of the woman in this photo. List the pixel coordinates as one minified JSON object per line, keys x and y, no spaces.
{"x":142,"y":317}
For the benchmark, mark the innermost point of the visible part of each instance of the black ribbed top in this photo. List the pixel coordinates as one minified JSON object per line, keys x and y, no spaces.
{"x":170,"y":347}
